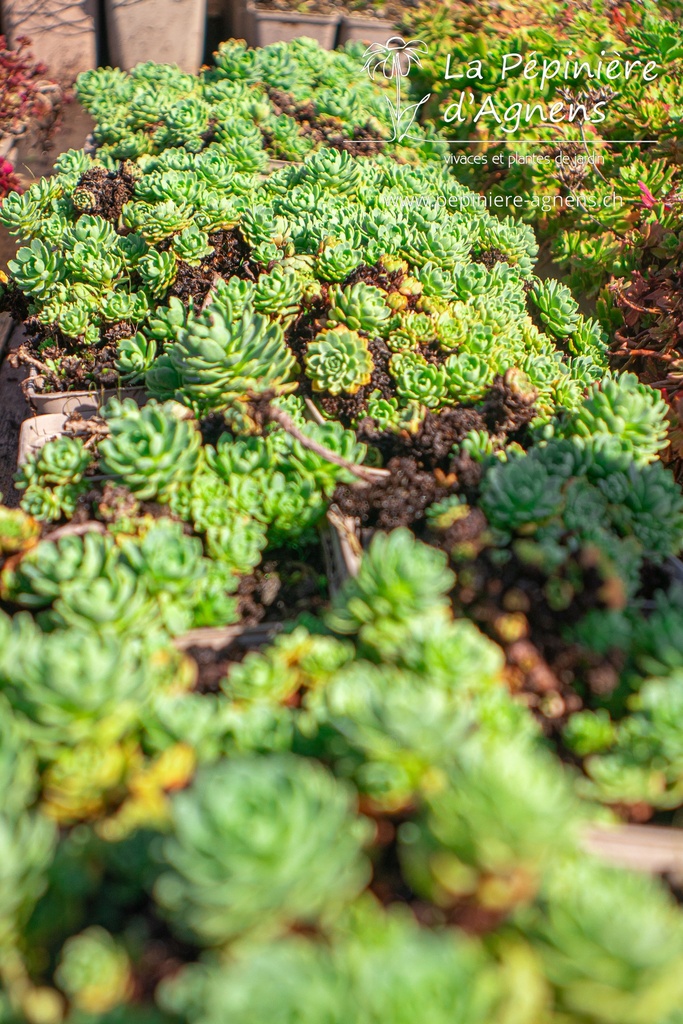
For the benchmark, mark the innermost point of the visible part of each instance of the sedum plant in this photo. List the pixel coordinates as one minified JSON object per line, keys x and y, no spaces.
{"x":303,"y":854}
{"x":253,"y":864}
{"x":419,"y":323}
{"x":380,"y":964}
{"x":179,"y":263}
{"x":593,"y":187}
{"x":291,"y":329}
{"x":218,"y":359}
{"x":152,"y":449}
{"x":283,"y":101}
{"x":69,"y":686}
{"x":338,"y":360}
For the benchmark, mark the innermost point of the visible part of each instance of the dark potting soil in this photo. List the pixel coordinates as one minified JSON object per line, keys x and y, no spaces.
{"x":322,"y":128}
{"x":489,"y":257}
{"x":283,"y":587}
{"x":432,"y":443}
{"x":213,"y":665}
{"x":397,"y":500}
{"x":230,"y":258}
{"x":106,"y":192}
{"x":82,"y":366}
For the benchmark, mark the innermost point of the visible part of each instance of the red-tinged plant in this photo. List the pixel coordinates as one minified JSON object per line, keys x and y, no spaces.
{"x":30,"y":102}
{"x":9,"y":181}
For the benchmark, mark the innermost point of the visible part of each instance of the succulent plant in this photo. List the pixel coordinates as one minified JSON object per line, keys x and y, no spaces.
{"x":338,"y":360}
{"x":214,"y":361}
{"x":37,"y":269}
{"x":557,"y":308}
{"x":36,"y":580}
{"x":336,"y":262}
{"x":360,"y":307}
{"x":135,"y":357}
{"x":192,"y":245}
{"x":27,"y":847}
{"x":467,"y":376}
{"x":475,"y":841}
{"x":626,"y":410}
{"x":62,"y":461}
{"x":225,"y":880}
{"x":422,"y":382}
{"x":278,"y":292}
{"x":18,"y":531}
{"x":520,"y":492}
{"x":516,"y":458}
{"x":399,"y":579}
{"x":94,"y":971}
{"x":382,"y":966}
{"x":151,"y":449}
{"x":49,"y":504}
{"x":158,"y":271}
{"x":647,"y":503}
{"x":630,"y":972}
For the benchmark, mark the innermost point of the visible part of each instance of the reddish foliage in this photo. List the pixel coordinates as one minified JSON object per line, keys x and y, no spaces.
{"x":30,"y":102}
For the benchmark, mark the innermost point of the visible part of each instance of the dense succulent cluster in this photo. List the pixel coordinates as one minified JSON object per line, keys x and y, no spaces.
{"x":263,"y":860}
{"x":598,"y":192}
{"x":418,"y":321}
{"x":282,"y":101}
{"x":390,"y":284}
{"x":31,"y":103}
{"x":359,"y":812}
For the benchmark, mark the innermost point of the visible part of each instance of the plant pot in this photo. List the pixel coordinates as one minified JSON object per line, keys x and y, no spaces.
{"x":261,"y":28}
{"x":342,"y":549}
{"x":62,"y":33}
{"x":38,"y":431}
{"x":85,"y":403}
{"x":166,"y":31}
{"x":364,"y":30}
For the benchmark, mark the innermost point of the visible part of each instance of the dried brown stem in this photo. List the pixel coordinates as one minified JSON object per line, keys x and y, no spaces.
{"x":638,"y":309}
{"x":314,"y":410}
{"x":208,"y":298}
{"x":285,"y":421}
{"x":76,"y":530}
{"x":666,"y":357}
{"x":93,"y":428}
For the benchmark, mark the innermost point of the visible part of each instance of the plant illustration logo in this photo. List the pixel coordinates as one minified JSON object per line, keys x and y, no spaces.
{"x":394,"y":59}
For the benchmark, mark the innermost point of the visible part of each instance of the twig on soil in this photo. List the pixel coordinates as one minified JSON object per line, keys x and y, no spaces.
{"x":275,"y":415}
{"x":208,"y":298}
{"x":314,"y":411}
{"x":664,"y":356}
{"x":638,"y":309}
{"x":94,"y":428}
{"x":23,"y":356}
{"x":76,"y":530}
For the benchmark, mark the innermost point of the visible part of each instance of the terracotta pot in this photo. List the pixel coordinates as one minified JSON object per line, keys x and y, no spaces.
{"x":62,"y":33}
{"x":166,"y":31}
